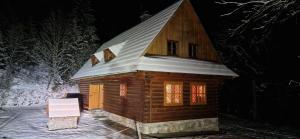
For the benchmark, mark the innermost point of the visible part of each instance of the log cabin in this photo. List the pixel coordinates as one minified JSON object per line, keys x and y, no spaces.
{"x":161,"y":76}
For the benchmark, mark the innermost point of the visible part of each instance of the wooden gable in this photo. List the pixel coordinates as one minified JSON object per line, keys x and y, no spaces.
{"x":186,"y":28}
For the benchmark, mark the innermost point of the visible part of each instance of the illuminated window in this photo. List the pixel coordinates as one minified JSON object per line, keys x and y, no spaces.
{"x":173,"y":93}
{"x":172,"y":45}
{"x":198,"y":93}
{"x":123,"y":89}
{"x":94,"y":60}
{"x":193,"y":50}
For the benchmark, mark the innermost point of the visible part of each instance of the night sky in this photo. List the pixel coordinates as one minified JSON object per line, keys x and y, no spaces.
{"x":112,"y":17}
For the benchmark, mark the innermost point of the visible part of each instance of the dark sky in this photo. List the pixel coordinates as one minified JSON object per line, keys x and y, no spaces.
{"x":116,"y":16}
{"x":112,"y":16}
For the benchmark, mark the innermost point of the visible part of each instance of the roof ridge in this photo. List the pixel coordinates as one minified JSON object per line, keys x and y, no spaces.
{"x":178,"y":3}
{"x":138,"y":38}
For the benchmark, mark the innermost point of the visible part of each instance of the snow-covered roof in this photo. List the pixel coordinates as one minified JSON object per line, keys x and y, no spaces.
{"x":130,"y":46}
{"x":182,"y":65}
{"x":63,"y":107}
{"x":99,"y":56}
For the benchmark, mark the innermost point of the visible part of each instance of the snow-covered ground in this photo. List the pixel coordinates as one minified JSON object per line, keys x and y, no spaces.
{"x":30,"y":123}
{"x":29,"y":88}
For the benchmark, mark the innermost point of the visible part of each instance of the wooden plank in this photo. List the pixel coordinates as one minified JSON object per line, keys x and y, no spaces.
{"x":184,"y":27}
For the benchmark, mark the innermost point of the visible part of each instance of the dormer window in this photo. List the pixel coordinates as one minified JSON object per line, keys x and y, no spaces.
{"x":94,"y":60}
{"x":193,"y":50}
{"x":108,"y":55}
{"x":172,"y":47}
{"x":97,"y":58}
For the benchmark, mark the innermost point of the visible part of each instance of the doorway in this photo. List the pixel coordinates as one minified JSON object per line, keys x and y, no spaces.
{"x":96,"y":96}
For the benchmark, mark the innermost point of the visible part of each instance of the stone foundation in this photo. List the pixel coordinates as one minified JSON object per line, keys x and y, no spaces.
{"x":62,"y":123}
{"x":193,"y":125}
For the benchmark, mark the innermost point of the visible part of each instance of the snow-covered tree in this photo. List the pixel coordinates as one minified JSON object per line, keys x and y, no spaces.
{"x":84,"y":38}
{"x":12,"y":55}
{"x":53,"y":44}
{"x":64,"y":42}
{"x":1,"y":51}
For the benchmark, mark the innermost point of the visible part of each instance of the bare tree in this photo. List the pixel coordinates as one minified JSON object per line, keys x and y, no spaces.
{"x":258,"y":15}
{"x":53,"y":46}
{"x":248,"y":26}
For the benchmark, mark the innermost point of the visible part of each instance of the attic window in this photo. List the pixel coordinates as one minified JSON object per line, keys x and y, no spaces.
{"x":94,"y":60}
{"x":108,"y":55}
{"x":193,"y":50}
{"x":172,"y":46}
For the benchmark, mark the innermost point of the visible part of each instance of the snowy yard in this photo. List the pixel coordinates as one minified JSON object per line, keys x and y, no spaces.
{"x":30,"y":123}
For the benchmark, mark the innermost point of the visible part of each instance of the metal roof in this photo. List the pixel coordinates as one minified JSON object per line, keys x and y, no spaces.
{"x":130,"y":46}
{"x":183,"y":65}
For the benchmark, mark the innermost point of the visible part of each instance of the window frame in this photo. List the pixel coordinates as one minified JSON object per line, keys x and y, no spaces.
{"x":191,"y":93}
{"x":165,"y":93}
{"x":125,"y":89}
{"x":174,"y":44}
{"x":94,"y":60}
{"x":108,"y":55}
{"x":193,"y":51}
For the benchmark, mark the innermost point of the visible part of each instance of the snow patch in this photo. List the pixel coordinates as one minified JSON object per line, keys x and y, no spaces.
{"x":30,"y":88}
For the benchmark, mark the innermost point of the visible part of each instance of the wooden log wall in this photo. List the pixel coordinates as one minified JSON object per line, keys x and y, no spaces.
{"x":158,"y":112}
{"x":145,"y":97}
{"x":130,"y":106}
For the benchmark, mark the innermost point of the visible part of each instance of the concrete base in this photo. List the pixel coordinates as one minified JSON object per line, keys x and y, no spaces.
{"x":62,"y":123}
{"x":193,"y":125}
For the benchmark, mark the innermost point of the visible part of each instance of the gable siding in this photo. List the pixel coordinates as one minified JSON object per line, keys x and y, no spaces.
{"x":186,"y":28}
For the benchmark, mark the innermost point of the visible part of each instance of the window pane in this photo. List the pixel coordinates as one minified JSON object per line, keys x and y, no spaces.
{"x":171,"y":47}
{"x":168,"y":93}
{"x":198,"y":94}
{"x":177,"y":93}
{"x":194,"y":93}
{"x":173,"y":93}
{"x":123,"y":89}
{"x":174,"y":48}
{"x":192,"y":50}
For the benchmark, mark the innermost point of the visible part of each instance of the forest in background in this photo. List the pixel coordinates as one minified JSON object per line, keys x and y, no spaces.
{"x":60,"y":43}
{"x":255,"y":39}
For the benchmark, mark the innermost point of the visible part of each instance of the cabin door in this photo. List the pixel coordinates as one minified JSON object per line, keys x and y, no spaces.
{"x":96,"y":96}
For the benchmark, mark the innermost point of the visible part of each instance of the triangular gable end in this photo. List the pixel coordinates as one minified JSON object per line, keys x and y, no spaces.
{"x":137,"y":40}
{"x":186,"y":28}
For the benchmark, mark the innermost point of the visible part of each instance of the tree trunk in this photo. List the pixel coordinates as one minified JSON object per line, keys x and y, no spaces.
{"x":254,"y":95}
